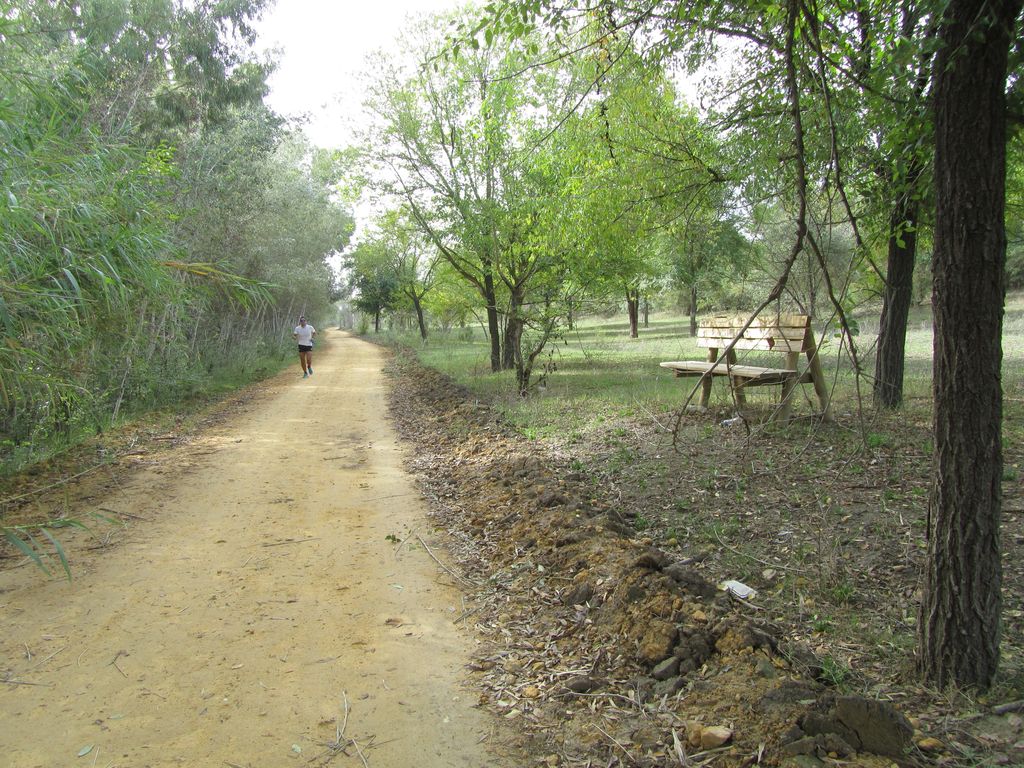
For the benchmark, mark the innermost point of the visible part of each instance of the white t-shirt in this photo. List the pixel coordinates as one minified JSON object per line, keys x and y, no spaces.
{"x":304,"y":334}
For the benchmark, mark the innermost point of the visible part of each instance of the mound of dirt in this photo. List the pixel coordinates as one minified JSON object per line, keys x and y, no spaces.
{"x":606,"y":649}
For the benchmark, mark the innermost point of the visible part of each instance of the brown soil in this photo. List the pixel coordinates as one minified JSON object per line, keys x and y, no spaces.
{"x":298,"y":580}
{"x":610,"y":650}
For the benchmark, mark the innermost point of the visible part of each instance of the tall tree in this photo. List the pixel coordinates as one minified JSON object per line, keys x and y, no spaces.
{"x":960,"y":610}
{"x":374,"y":279}
{"x":886,"y":50}
{"x":436,"y":140}
{"x":650,"y":172}
{"x":462,"y":140}
{"x":705,"y":251}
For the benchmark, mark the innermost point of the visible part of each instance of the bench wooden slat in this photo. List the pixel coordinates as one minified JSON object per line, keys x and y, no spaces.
{"x":772,"y":344}
{"x":754,"y":332}
{"x":751,"y":375}
{"x":785,"y":320}
{"x":728,"y":332}
{"x":786,"y":333}
{"x":793,"y":322}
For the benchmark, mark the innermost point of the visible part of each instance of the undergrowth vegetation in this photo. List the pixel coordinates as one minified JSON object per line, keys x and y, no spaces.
{"x":826,"y":520}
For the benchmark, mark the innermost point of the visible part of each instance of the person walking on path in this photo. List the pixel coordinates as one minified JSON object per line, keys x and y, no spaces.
{"x":304,"y":334}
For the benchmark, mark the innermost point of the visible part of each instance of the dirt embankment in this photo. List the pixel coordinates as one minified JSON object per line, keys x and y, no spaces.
{"x":607,"y":650}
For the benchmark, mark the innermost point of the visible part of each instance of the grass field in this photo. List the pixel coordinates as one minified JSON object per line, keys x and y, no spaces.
{"x":597,"y":373}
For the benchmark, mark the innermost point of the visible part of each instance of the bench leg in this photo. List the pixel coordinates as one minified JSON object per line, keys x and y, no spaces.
{"x":820,"y":389}
{"x":739,"y":396}
{"x":705,"y":392}
{"x":788,"y":387}
{"x":737,"y":384}
{"x":787,"y":400}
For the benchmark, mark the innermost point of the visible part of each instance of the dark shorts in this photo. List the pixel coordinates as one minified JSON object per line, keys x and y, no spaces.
{"x":305,"y":347}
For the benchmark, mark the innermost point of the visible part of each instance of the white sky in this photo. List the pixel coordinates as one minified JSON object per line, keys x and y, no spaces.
{"x":324,"y":45}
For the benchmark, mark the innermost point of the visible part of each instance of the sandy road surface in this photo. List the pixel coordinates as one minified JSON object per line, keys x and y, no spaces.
{"x":260,"y":593}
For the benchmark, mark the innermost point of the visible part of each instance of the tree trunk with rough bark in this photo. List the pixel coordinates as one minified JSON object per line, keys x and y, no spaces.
{"x":899,"y":284}
{"x":493,"y":332}
{"x":522,"y":368}
{"x":633,"y":309}
{"x":510,"y":345}
{"x":693,"y":310}
{"x":959,"y":626}
{"x":417,"y":304}
{"x":514,"y":326}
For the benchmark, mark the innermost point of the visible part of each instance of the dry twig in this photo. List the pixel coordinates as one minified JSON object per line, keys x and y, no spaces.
{"x":1012,"y":706}
{"x":290,"y":541}
{"x":616,"y":742}
{"x":452,"y":573}
{"x":26,"y":682}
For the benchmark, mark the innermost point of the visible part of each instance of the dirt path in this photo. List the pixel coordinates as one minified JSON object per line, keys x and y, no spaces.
{"x":259,"y":595}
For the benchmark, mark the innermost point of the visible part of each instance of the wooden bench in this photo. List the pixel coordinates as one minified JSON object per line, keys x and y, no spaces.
{"x":790,"y":335}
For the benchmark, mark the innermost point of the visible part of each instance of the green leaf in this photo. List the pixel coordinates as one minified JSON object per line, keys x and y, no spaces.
{"x":110,"y":266}
{"x":73,"y":281}
{"x":60,"y":552}
{"x":17,"y":541}
{"x":5,"y":317}
{"x":85,"y":751}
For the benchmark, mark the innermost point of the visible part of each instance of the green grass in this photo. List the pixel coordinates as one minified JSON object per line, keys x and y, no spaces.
{"x":601,"y":374}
